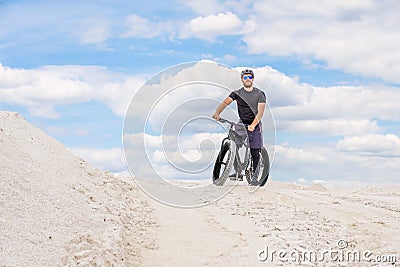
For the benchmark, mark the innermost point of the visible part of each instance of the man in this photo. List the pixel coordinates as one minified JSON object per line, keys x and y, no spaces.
{"x":251,"y":105}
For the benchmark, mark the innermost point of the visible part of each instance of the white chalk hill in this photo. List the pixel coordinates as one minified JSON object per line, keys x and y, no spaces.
{"x":56,"y":209}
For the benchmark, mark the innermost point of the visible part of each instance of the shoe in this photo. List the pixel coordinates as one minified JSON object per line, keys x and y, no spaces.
{"x":233,"y":177}
{"x":254,"y":182}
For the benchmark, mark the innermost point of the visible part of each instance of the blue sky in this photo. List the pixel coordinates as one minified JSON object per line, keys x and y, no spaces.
{"x":330,"y":72}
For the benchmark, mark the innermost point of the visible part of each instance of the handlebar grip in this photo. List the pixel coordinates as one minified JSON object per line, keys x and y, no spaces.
{"x":226,"y":121}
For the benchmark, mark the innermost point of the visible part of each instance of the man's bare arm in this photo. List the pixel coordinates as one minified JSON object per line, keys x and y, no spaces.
{"x":257,"y":119}
{"x":221,"y":107}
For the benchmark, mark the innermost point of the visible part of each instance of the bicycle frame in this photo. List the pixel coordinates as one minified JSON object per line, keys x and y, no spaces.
{"x":232,"y":135}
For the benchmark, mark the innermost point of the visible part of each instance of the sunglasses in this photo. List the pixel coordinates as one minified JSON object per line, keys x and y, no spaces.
{"x":245,"y":77}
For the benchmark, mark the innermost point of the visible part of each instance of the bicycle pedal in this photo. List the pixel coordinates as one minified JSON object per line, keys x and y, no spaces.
{"x":235,"y":177}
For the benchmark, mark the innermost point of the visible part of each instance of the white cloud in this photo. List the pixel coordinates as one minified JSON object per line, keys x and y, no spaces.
{"x":229,"y":57}
{"x":226,"y":57}
{"x":332,"y":110}
{"x":173,"y":156}
{"x":337,"y":110}
{"x":140,"y":27}
{"x":104,"y":159}
{"x":205,"y":7}
{"x":343,"y":102}
{"x":42,"y":89}
{"x":330,"y":127}
{"x":348,"y":111}
{"x":211,"y":7}
{"x":94,"y":30}
{"x":327,"y":163}
{"x":340,"y":110}
{"x":44,"y":111}
{"x":152,"y":142}
{"x":291,"y":100}
{"x":357,"y":36}
{"x":94,"y":35}
{"x":206,"y":27}
{"x":354,"y":36}
{"x":183,"y":93}
{"x":281,"y":90}
{"x":371,"y":145}
{"x":173,"y":143}
{"x":211,"y":26}
{"x":117,"y":95}
{"x":335,"y":9}
{"x":353,"y":112}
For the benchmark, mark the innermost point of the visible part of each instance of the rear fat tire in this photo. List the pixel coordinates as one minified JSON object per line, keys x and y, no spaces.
{"x":226,"y":155}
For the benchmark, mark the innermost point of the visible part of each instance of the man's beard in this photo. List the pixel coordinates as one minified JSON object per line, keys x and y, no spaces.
{"x":249,"y":85}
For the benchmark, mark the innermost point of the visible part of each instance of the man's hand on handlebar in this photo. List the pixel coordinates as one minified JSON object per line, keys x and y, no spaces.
{"x":216,"y":117}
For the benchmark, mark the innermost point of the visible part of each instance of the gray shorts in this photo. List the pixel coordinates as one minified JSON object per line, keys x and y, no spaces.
{"x":253,"y":139}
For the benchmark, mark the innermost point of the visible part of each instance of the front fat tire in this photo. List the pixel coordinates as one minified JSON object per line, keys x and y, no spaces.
{"x":221,"y":171}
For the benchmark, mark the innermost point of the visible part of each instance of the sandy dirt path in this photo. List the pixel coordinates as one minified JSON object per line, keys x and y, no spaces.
{"x":192,"y":237}
{"x":233,"y":231}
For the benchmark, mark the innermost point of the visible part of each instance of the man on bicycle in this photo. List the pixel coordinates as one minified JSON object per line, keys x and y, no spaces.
{"x":251,"y":105}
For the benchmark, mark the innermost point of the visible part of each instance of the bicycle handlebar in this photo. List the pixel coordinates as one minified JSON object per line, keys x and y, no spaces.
{"x":224,"y":121}
{"x":231,"y":123}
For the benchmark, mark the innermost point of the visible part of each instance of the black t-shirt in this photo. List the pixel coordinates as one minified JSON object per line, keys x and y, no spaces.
{"x":247,"y":103}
